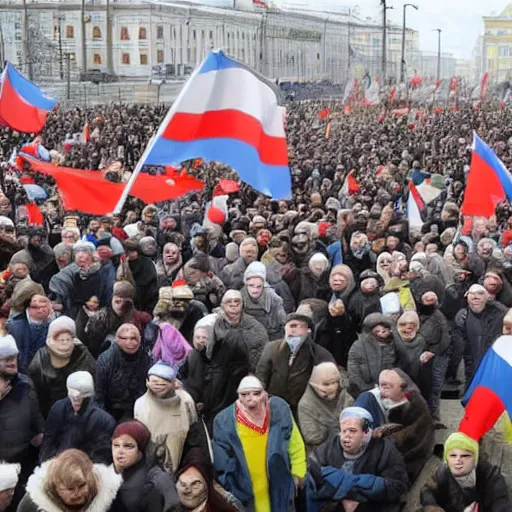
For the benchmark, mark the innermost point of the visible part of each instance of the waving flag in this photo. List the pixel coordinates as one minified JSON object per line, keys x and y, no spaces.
{"x":489,"y":181}
{"x":351,"y":185}
{"x":415,"y":205}
{"x":90,"y":192}
{"x":228,"y":113}
{"x":490,"y":393}
{"x":23,"y":106}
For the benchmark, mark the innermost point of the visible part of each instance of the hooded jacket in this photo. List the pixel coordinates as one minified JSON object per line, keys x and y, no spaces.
{"x":50,"y":382}
{"x":368,"y":357}
{"x":37,"y":500}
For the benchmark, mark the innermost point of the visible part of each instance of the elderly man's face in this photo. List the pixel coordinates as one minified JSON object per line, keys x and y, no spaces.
{"x":83,"y":259}
{"x":160,"y":387}
{"x":485,"y":250}
{"x":128,"y":340}
{"x":391,"y":386}
{"x":232,"y":308}
{"x":171,"y":254}
{"x":296,"y":328}
{"x":252,"y":399}
{"x":254,"y":287}
{"x":351,"y":435}
{"x":477,"y":301}
{"x":9,"y":367}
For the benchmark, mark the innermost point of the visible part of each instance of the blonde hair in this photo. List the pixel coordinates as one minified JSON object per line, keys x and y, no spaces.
{"x":70,"y":469}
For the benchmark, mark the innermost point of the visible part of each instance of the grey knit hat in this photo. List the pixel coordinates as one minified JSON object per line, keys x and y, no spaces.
{"x":8,"y":347}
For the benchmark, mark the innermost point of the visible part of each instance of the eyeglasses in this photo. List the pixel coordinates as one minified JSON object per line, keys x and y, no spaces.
{"x":195,"y":486}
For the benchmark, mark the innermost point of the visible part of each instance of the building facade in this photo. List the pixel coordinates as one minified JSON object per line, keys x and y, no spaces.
{"x":497,"y":46}
{"x":138,"y":38}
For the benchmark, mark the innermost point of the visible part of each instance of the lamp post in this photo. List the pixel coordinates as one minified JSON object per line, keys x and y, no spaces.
{"x":384,"y":38}
{"x":438,"y":30}
{"x":402,"y":69}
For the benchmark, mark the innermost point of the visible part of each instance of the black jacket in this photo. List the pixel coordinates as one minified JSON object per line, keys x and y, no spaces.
{"x":89,"y":431}
{"x":120,"y":380}
{"x":146,"y":488}
{"x":381,"y":458}
{"x":50,"y":382}
{"x":20,"y":420}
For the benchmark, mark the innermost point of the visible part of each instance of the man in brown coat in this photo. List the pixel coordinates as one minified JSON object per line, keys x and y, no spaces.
{"x":286,"y":365}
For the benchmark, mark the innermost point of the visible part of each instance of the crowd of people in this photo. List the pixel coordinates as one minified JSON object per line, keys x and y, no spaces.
{"x":291,"y":358}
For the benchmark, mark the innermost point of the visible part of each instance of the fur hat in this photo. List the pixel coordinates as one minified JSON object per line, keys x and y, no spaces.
{"x":124,"y":289}
{"x":136,"y":430}
{"x":374,"y":319}
{"x":23,"y":293}
{"x":80,"y":384}
{"x":181,"y":290}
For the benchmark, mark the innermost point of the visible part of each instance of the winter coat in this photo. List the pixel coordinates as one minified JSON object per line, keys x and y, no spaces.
{"x":281,"y":379}
{"x":105,"y":322}
{"x":90,"y":430}
{"x":20,"y":420}
{"x":73,"y":291}
{"x":381,"y":467}
{"x":360,"y":305}
{"x":366,"y":359}
{"x":267,"y":310}
{"x":434,"y":329}
{"x":120,"y":380}
{"x":146,"y":488}
{"x":408,"y":359}
{"x":50,"y":382}
{"x":304,"y":285}
{"x":415,"y":440}
{"x":442,"y":493}
{"x":280,"y":286}
{"x":318,"y":417}
{"x":231,"y":467}
{"x":233,"y":275}
{"x":192,"y":374}
{"x":476,"y":332}
{"x":29,"y":337}
{"x":37,"y":500}
{"x":209,"y":291}
{"x":146,"y":283}
{"x":247,"y":332}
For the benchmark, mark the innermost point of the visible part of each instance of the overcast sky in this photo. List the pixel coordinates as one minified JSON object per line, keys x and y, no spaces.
{"x":460,"y":20}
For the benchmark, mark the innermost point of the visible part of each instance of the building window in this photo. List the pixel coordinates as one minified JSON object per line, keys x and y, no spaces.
{"x":97,"y":59}
{"x":143,"y":59}
{"x":125,"y":35}
{"x":160,"y":56}
{"x":70,"y":32}
{"x":125,"y":58}
{"x":143,"y":33}
{"x":96,"y":33}
{"x":159,"y":32}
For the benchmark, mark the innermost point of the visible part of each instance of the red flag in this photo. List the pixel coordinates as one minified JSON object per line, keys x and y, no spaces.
{"x":84,"y":136}
{"x":483,"y":86}
{"x":90,"y":192}
{"x":34,"y":214}
{"x":225,"y":187}
{"x":324,"y":113}
{"x":392,"y":95}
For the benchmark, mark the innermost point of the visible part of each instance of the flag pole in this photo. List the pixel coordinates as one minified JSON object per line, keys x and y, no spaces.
{"x":158,"y":134}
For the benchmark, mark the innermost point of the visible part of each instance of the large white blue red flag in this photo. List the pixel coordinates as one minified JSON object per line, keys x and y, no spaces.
{"x":23,"y":106}
{"x":228,"y":113}
{"x":490,"y":392}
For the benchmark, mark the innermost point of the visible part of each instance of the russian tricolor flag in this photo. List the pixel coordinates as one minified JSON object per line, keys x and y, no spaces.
{"x":226,"y":112}
{"x":488,"y":183}
{"x":23,"y":106}
{"x":490,"y":392}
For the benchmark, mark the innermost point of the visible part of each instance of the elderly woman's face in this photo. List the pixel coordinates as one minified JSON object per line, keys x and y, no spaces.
{"x":171,"y":254}
{"x":74,"y":496}
{"x":407,"y":328}
{"x":192,"y":489}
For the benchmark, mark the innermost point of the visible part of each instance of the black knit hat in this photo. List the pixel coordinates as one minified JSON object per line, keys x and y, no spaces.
{"x":300,"y":318}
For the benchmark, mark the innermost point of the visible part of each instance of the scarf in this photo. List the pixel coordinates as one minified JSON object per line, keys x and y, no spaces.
{"x":243,"y":417}
{"x":467,"y":481}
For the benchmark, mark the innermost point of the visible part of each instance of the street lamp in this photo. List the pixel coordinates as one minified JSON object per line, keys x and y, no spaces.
{"x":402,"y":69}
{"x":384,"y":38}
{"x":438,"y":30}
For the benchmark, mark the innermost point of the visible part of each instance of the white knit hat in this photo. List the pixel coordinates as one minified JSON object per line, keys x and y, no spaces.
{"x":8,"y":347}
{"x":250,"y":383}
{"x":80,"y":384}
{"x":231,"y":295}
{"x":9,"y":475}
{"x":256,"y":269}
{"x":62,"y":324}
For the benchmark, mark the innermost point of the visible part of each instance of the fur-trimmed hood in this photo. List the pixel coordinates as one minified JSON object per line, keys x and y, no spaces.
{"x":109,"y":484}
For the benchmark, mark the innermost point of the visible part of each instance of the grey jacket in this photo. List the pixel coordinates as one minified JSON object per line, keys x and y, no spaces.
{"x":366,"y":359}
